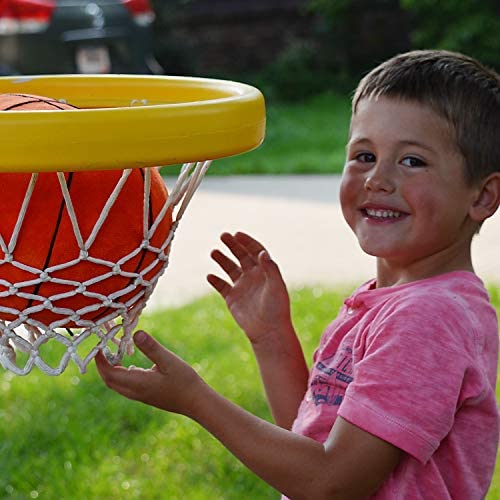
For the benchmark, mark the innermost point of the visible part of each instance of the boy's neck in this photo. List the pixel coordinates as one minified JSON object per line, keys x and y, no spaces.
{"x":392,"y":273}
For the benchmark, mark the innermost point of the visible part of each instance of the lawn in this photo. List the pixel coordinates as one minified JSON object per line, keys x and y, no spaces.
{"x":70,"y":437}
{"x":305,"y":137}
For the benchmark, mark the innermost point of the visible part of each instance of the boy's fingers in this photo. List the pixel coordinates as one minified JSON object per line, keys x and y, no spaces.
{"x":253,"y":246}
{"x":151,"y":348}
{"x":219,"y":284}
{"x":101,"y":363}
{"x":270,"y":267}
{"x":239,"y":251}
{"x":118,"y":378}
{"x":230,"y":267}
{"x":112,"y":375}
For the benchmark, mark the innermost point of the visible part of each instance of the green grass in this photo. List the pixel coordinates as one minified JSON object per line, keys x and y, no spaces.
{"x":70,"y":437}
{"x":308,"y":137}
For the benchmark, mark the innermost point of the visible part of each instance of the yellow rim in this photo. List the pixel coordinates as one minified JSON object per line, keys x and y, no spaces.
{"x":128,"y":121}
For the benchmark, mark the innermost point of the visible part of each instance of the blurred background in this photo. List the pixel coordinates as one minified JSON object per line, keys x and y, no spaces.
{"x":70,"y":437}
{"x":293,"y":48}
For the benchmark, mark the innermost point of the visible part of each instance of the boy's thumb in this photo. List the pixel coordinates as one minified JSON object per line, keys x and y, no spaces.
{"x":150,"y":347}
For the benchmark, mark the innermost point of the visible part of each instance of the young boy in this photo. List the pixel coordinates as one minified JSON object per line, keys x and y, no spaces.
{"x":400,"y":402}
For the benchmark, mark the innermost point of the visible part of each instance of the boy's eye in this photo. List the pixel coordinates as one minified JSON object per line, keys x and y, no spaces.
{"x":366,"y":157}
{"x":412,"y":161}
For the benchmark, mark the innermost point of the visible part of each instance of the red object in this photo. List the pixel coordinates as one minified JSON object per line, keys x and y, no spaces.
{"x":141,"y":10}
{"x":47,"y":237}
{"x":27,"y":10}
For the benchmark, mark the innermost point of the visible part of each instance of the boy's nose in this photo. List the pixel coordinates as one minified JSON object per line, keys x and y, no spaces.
{"x":380,"y":178}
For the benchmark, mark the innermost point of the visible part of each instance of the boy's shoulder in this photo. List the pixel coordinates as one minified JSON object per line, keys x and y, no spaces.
{"x":453,"y":289}
{"x":453,"y":310}
{"x":458,"y":289}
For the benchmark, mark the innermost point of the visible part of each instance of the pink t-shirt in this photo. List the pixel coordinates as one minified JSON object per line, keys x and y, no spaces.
{"x":415,"y":365}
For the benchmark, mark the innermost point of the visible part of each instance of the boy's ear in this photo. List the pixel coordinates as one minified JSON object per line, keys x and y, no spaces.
{"x":488,"y":198}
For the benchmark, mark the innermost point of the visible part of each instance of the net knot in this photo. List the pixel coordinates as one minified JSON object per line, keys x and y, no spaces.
{"x":116,"y":270}
{"x":13,"y":290}
{"x":47,"y":304}
{"x":8,"y":258}
{"x":144,"y":244}
{"x":44,"y":276}
{"x":84,"y":254}
{"x":140,"y":282}
{"x":81,"y":288}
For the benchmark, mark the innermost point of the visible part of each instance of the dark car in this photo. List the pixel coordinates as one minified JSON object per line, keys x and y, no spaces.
{"x":76,"y":36}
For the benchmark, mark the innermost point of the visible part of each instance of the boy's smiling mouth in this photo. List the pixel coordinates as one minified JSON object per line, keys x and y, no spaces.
{"x":382,"y":213}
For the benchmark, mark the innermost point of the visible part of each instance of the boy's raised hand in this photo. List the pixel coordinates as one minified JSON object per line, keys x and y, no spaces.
{"x":256,"y":294}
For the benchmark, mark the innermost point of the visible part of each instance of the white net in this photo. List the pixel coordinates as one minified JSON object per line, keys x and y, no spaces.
{"x":55,"y":313}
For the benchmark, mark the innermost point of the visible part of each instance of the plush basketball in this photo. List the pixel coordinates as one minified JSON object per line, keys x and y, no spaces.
{"x":47,"y":239}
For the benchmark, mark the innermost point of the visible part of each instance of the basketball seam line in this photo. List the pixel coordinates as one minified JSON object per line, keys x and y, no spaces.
{"x":32,"y":100}
{"x":54,"y":237}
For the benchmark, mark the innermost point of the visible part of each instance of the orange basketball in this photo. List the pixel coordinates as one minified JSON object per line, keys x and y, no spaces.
{"x":46,"y":238}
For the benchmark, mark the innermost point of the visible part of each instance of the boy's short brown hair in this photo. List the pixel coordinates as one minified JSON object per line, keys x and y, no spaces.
{"x":458,"y":88}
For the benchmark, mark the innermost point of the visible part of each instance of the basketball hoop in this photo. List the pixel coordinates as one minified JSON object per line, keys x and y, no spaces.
{"x":124,"y":123}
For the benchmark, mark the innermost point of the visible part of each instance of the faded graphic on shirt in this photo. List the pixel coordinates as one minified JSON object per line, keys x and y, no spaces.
{"x":331,"y":377}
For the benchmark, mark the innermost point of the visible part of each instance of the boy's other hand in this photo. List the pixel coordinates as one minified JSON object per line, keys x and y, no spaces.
{"x":255,"y":293}
{"x":171,"y":384}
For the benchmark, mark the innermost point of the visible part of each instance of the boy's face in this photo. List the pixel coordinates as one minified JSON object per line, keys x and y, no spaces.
{"x":403,"y":191}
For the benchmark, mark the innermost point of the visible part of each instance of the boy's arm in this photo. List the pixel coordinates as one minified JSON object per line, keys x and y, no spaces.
{"x":352,"y":464}
{"x":258,"y":299}
{"x":284,"y":374}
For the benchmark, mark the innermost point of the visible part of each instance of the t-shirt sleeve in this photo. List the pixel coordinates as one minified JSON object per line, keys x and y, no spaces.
{"x":408,"y":378}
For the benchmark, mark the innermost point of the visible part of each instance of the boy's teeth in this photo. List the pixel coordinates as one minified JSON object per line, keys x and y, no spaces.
{"x":382,"y":214}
